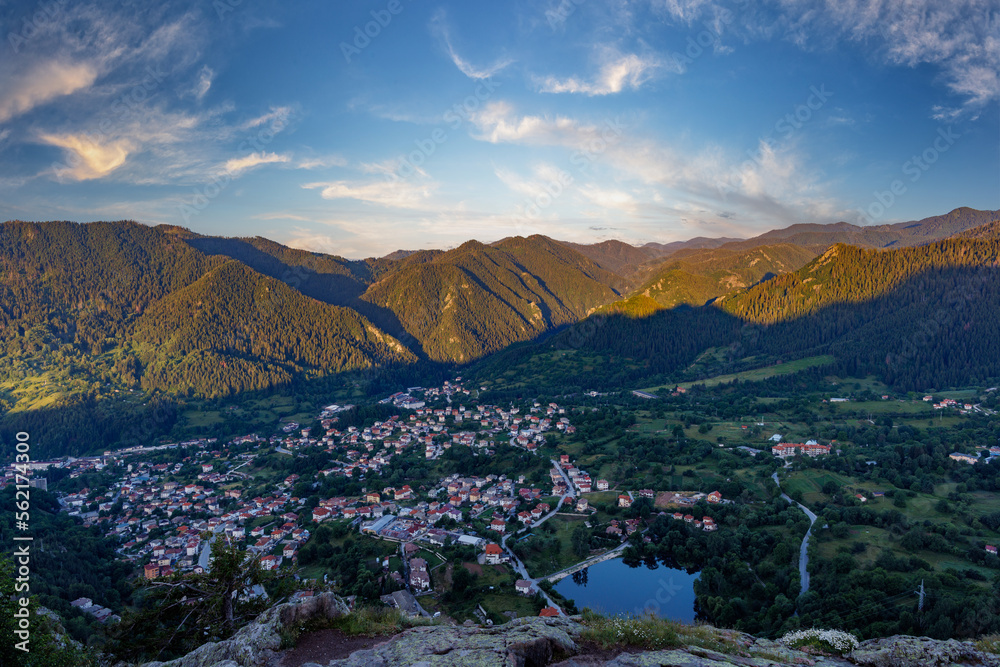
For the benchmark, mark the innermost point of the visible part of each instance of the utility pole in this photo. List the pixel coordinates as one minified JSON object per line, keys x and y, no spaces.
{"x":920,"y":605}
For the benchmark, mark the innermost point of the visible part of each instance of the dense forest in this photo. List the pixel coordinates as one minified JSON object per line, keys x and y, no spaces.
{"x":69,"y":561}
{"x":98,"y":321}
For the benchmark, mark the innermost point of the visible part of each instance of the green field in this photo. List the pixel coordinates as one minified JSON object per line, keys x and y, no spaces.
{"x":878,"y":539}
{"x":886,"y":407}
{"x":547,"y":562}
{"x":785,"y":368}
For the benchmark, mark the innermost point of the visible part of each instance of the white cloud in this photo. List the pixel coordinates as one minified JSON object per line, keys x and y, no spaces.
{"x":87,"y":158}
{"x":546,"y":178}
{"x":617,"y":72}
{"x":609,"y":198}
{"x":276,"y":116}
{"x":776,"y":184}
{"x":960,"y":36}
{"x":399,"y":193}
{"x":683,"y":10}
{"x":321,"y":162}
{"x":439,"y":28}
{"x":43,"y":82}
{"x":497,"y":123}
{"x":205,"y":77}
{"x":238,"y":165}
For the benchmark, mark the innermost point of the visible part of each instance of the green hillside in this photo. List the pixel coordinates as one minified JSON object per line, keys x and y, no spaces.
{"x":849,"y":274}
{"x":695,"y":277}
{"x":236,"y":330}
{"x":478,"y":299}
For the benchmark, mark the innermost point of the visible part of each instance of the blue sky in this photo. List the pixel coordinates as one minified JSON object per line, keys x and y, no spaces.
{"x":358,"y":128}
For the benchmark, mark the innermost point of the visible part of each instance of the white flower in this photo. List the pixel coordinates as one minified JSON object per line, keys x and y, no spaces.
{"x":837,"y":640}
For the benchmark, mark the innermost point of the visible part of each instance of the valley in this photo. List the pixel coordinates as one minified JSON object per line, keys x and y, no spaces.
{"x":524,"y":431}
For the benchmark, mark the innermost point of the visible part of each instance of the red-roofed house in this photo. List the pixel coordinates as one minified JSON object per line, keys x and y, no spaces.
{"x":494,"y":554}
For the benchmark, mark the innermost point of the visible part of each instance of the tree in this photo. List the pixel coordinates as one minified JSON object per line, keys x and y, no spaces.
{"x":580,"y":541}
{"x":47,"y":645}
{"x":185,"y":611}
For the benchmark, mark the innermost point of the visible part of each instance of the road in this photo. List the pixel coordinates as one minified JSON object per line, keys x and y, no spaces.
{"x":206,"y":551}
{"x":803,"y":555}
{"x":594,"y":560}
{"x":521,"y":570}
{"x":515,"y":561}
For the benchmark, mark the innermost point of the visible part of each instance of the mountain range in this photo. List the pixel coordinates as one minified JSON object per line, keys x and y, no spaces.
{"x":165,"y":309}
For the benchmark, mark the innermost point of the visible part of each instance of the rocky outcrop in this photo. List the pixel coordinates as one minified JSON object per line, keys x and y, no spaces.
{"x":522,"y":642}
{"x":257,"y":644}
{"x":558,"y":642}
{"x":902,"y":651}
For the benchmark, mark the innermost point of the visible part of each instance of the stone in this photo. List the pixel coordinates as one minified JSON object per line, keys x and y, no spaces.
{"x":258,"y":643}
{"x":904,"y":651}
{"x":521,"y":643}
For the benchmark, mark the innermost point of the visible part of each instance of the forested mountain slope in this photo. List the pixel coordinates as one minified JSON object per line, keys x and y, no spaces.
{"x":84,"y":285}
{"x":697,"y":276}
{"x":849,"y":274}
{"x":235,"y":330}
{"x":478,"y":299}
{"x":918,"y":318}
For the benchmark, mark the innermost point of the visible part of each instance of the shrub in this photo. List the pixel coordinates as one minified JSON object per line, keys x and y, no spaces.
{"x":646,"y":631}
{"x":828,"y":641}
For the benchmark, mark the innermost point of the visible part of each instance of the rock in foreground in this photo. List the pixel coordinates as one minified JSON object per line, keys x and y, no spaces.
{"x":534,"y":642}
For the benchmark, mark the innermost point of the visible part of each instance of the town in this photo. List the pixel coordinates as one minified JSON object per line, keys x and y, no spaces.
{"x":442,"y":483}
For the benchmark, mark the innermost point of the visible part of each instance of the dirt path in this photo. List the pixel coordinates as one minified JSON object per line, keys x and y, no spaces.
{"x":323,"y":646}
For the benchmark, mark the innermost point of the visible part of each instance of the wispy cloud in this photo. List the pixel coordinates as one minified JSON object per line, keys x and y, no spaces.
{"x":87,"y":158}
{"x":609,"y":198}
{"x":321,"y":162}
{"x":239,"y":165}
{"x":616,"y":72}
{"x":961,"y":37}
{"x":439,"y":28}
{"x":43,"y":82}
{"x":205,"y":76}
{"x":399,"y":193}
{"x":279,"y":114}
{"x":775,"y":184}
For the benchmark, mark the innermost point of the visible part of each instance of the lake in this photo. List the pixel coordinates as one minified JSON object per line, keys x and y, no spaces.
{"x":612,"y":587}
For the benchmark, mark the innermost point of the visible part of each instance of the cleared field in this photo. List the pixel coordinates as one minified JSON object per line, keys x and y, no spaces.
{"x":756,"y":374}
{"x":886,"y":407}
{"x":878,"y":539}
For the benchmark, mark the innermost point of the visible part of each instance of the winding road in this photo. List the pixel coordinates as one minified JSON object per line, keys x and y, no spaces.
{"x":803,"y":555}
{"x":515,"y":561}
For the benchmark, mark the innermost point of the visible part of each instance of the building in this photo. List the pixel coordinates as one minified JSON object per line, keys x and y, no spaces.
{"x":644,"y":394}
{"x":714,"y":497}
{"x":523,"y":587}
{"x":499,"y":525}
{"x":786,"y":449}
{"x":494,"y":554}
{"x":602,"y":485}
{"x":548,"y":612}
{"x":420,"y":580}
{"x":964,"y":458}
{"x":624,"y":501}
